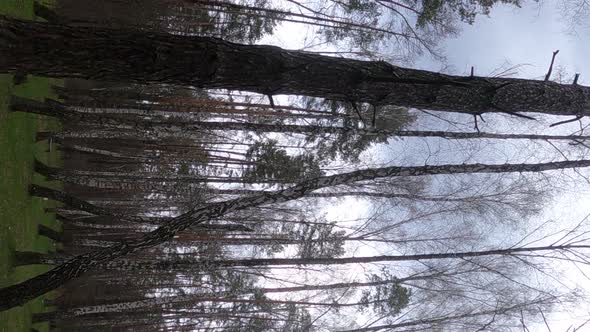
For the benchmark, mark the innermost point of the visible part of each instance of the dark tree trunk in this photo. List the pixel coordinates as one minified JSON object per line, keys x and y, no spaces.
{"x":384,"y":258}
{"x":22,"y":258}
{"x":53,"y":108}
{"x":82,"y":205}
{"x":47,"y":13}
{"x":136,"y":56}
{"x":23,"y":292}
{"x":50,"y":233}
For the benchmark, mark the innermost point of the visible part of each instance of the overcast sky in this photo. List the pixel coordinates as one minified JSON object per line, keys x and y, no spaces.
{"x":525,"y":37}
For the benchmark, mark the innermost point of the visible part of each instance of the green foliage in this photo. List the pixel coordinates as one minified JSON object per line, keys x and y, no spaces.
{"x":244,"y":26}
{"x":466,"y":10}
{"x":271,"y":162}
{"x":387,"y":299}
{"x":321,"y":241}
{"x":360,"y":7}
{"x":298,"y":320}
{"x":363,"y":12}
{"x":349,"y":144}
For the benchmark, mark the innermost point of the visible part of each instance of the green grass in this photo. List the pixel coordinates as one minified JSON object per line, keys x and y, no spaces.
{"x":19,"y":213}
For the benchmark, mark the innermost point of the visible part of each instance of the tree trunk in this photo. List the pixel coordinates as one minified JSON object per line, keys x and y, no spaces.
{"x":22,"y":258}
{"x":134,"y":56}
{"x":384,"y":258}
{"x":134,"y":179}
{"x":25,"y":291}
{"x":82,"y":205}
{"x":50,"y":233}
{"x":372,"y":194}
{"x":78,"y":204}
{"x":104,"y":120}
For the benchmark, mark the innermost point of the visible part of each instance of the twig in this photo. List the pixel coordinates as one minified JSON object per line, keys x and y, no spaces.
{"x":524,"y":327}
{"x":558,"y":150}
{"x":358,"y":113}
{"x":520,"y":115}
{"x":566,"y":121}
{"x":271,"y":101}
{"x":510,"y":112}
{"x":576,"y":79}
{"x":578,"y":142}
{"x":475,"y":123}
{"x":374,"y":116}
{"x":551,"y":65}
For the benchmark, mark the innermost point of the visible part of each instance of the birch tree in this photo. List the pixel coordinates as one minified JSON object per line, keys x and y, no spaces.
{"x":20,"y":293}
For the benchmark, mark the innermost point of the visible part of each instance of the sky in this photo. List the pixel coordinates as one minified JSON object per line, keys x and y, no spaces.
{"x":526,"y":35}
{"x":526,"y":38}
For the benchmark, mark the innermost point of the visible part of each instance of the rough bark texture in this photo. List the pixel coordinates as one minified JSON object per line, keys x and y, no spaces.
{"x":21,"y":258}
{"x":56,"y":109}
{"x":71,"y":201}
{"x":134,"y":56}
{"x":74,"y":202}
{"x":154,"y":302}
{"x":25,"y":291}
{"x":50,"y":233}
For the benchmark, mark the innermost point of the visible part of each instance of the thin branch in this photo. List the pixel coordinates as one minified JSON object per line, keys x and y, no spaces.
{"x":551,"y":66}
{"x":576,"y":79}
{"x":566,"y":121}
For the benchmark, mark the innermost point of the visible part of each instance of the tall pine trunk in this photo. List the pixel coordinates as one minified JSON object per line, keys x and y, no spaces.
{"x":53,"y":108}
{"x":138,"y":56}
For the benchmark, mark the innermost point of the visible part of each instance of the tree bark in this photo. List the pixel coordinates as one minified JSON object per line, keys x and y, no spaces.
{"x":57,"y":109}
{"x":134,"y":56}
{"x":383,"y":258}
{"x":22,"y":258}
{"x":78,"y":204}
{"x":82,"y":205}
{"x":147,"y":303}
{"x":134,"y":179}
{"x":436,"y":321}
{"x":25,"y":291}
{"x":50,"y":233}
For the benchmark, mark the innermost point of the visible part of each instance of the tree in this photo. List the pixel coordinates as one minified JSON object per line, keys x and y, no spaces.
{"x":271,"y":162}
{"x":361,"y":26}
{"x":434,"y":10}
{"x":135,"y":56}
{"x":20,"y":293}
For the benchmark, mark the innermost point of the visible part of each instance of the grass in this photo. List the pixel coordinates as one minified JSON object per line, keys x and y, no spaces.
{"x":20,"y":213}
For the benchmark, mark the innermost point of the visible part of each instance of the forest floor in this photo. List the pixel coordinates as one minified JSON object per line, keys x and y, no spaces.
{"x":20,"y":214}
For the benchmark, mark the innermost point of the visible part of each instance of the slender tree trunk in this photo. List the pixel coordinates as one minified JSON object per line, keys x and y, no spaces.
{"x":136,"y":56}
{"x":82,"y":205}
{"x":475,"y":198}
{"x":384,"y":258}
{"x":46,"y":13}
{"x":50,"y":233}
{"x":134,"y":179}
{"x":140,"y":304}
{"x":31,"y":257}
{"x":168,"y":300}
{"x":79,"y":204}
{"x":59,"y":110}
{"x":25,"y":291}
{"x":438,"y":320}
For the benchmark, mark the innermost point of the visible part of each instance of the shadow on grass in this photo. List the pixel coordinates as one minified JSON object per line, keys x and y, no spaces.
{"x":21,"y":214}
